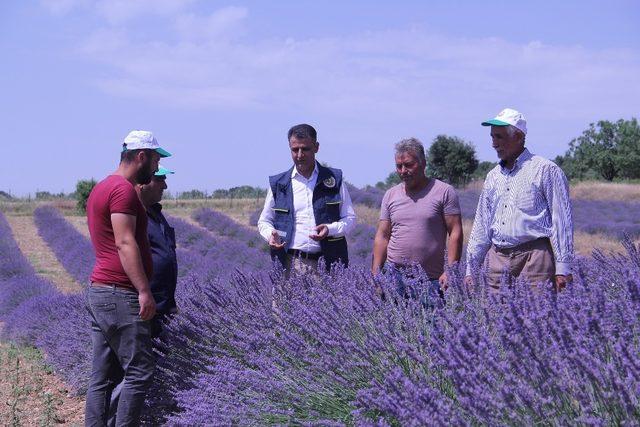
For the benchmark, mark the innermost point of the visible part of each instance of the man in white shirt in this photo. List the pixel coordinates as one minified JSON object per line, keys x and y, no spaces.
{"x":308,"y":210}
{"x":523,"y":220}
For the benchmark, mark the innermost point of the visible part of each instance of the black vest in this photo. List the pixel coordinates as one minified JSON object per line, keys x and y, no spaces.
{"x":326,"y":209}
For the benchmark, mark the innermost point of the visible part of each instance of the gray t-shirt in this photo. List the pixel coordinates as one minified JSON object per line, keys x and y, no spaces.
{"x":418,"y":228}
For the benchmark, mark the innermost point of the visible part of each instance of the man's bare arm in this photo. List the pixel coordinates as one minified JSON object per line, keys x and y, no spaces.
{"x":124,"y":231}
{"x":380,"y":243}
{"x":454,"y":230}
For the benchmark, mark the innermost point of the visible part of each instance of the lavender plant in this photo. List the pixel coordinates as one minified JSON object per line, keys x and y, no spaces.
{"x":72,"y":249}
{"x":221,"y":225}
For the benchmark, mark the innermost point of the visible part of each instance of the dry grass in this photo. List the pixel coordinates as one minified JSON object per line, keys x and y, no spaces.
{"x":39,"y":254}
{"x":606,"y":191}
{"x":30,"y":394}
{"x":238,"y":209}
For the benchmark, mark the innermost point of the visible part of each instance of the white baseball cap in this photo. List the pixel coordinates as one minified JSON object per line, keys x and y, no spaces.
{"x":143,"y":140}
{"x":507,"y":117}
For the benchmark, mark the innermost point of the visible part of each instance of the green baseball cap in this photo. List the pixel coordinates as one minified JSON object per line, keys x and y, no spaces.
{"x":163,"y":171}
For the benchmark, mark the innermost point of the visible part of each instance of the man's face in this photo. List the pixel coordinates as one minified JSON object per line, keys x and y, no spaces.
{"x":303,"y":153}
{"x":507,"y":147}
{"x":409,"y":168}
{"x":152,"y":192}
{"x":149,"y":166}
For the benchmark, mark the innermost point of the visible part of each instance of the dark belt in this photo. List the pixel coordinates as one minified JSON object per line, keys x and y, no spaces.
{"x":114,"y":286}
{"x":526,"y":246}
{"x":296,"y":253}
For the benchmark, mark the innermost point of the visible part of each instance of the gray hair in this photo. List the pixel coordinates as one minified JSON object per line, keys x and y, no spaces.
{"x":512,"y":130}
{"x":412,"y":145}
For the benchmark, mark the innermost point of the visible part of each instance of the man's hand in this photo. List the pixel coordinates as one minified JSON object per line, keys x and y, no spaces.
{"x":322,"y":231}
{"x":275,"y":242}
{"x":147,"y":305}
{"x":444,"y":281}
{"x":562,"y":281}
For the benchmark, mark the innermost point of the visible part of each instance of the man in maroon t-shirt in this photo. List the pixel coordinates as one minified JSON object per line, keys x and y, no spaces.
{"x":119,"y":298}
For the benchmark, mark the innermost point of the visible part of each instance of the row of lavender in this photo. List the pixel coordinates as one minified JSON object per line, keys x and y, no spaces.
{"x":35,"y":313}
{"x":255,"y":349}
{"x":331,"y":350}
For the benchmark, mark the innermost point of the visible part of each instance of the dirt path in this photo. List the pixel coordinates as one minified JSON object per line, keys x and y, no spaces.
{"x":39,"y":254}
{"x":30,"y":395}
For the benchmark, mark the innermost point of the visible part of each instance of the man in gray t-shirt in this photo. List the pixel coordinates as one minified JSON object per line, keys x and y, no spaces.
{"x":415,"y":218}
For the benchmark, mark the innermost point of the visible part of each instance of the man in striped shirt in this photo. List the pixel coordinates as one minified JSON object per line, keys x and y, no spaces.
{"x":523,"y":222}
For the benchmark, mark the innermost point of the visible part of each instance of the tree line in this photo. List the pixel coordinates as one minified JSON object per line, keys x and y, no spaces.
{"x":606,"y":150}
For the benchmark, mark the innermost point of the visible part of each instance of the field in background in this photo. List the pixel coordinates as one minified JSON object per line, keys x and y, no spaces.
{"x":31,"y":395}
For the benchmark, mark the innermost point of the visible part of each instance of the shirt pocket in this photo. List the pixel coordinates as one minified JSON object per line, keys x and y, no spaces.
{"x":333,"y":207}
{"x":527,"y":201}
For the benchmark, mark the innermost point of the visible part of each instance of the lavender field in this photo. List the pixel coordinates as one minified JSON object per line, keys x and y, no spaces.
{"x":251,"y":348}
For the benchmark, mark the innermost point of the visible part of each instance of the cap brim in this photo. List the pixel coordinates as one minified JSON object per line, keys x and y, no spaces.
{"x":163,"y":172}
{"x":495,"y":122}
{"x":162,"y":152}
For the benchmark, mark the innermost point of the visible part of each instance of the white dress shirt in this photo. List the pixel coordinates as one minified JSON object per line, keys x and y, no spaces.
{"x":523,"y":204}
{"x":305,"y":220}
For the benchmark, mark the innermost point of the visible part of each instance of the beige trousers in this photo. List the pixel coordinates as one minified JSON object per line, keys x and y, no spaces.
{"x":532,"y":260}
{"x":301,"y":266}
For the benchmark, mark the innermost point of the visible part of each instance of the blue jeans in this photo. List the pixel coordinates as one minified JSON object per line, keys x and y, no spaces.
{"x":122,"y":352}
{"x":414,"y":286}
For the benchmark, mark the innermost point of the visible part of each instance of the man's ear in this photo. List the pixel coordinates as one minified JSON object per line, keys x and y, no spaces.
{"x":317,"y":147}
{"x":141,"y":156}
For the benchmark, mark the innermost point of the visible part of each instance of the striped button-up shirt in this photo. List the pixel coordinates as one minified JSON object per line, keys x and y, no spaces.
{"x":523,"y":204}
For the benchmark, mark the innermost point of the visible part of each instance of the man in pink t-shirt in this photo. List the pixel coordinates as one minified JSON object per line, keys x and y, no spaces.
{"x":119,"y":299}
{"x":416,"y":217}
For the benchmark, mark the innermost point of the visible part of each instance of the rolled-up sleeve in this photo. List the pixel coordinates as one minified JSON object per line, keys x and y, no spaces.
{"x":556,"y":191}
{"x":347,"y":215}
{"x":265,"y":223}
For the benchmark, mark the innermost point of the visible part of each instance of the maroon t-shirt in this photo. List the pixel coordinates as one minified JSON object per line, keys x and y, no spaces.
{"x":112,"y":195}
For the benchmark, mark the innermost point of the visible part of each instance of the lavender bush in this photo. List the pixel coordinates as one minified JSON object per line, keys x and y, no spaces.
{"x":369,"y":196}
{"x":35,"y":313}
{"x":72,"y":249}
{"x":329,"y":350}
{"x":221,"y":225}
{"x":342,"y":348}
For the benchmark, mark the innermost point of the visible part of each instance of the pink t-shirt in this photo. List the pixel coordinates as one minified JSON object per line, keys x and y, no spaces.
{"x":115,"y":194}
{"x":418,"y":228}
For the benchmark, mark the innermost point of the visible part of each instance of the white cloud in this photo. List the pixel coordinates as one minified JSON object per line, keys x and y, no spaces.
{"x":117,"y":12}
{"x":222,"y":23}
{"x":62,"y":7}
{"x":120,"y":11}
{"x":394,"y":72}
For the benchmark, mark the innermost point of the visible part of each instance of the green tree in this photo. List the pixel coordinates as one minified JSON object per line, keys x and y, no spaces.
{"x":83,"y":189}
{"x":483,"y":169}
{"x":452,"y":160}
{"x":192,"y":194}
{"x":392,"y":179}
{"x":606,"y":149}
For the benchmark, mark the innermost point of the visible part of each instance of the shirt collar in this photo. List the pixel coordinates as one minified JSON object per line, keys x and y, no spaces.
{"x":313,"y":174}
{"x":523,"y":157}
{"x":155,"y":210}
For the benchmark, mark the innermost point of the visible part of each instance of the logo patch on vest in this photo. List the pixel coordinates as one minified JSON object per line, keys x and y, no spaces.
{"x":329,"y":182}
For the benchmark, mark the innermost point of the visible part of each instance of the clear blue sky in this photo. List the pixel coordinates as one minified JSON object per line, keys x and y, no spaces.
{"x":219,"y":83}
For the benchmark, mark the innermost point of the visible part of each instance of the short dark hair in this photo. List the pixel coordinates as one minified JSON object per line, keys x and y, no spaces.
{"x":303,"y":131}
{"x":127,"y":156}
